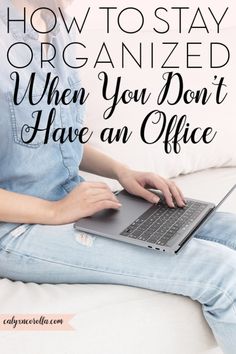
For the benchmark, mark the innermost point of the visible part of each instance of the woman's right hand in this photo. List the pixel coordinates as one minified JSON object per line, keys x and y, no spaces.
{"x":84,"y":200}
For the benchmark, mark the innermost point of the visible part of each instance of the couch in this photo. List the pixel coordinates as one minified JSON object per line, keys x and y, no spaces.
{"x":112,"y":319}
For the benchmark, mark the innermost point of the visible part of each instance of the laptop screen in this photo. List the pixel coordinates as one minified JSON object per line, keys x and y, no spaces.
{"x":229,"y":204}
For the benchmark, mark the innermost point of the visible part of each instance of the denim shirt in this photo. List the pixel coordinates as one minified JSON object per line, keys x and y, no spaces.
{"x":48,"y":171}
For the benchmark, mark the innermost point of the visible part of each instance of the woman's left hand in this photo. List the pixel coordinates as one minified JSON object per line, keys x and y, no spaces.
{"x":136,"y":182}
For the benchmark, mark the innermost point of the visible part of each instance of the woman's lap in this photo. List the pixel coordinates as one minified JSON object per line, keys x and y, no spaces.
{"x":205,"y":270}
{"x":220,"y":228}
{"x":60,"y":254}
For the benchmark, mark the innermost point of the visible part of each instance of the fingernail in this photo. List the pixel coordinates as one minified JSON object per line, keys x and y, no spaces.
{"x":156,"y":200}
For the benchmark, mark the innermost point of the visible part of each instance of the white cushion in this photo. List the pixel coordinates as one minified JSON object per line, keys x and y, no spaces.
{"x":109,"y":319}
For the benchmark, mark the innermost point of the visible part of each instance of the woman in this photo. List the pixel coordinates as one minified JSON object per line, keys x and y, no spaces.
{"x":42,"y":195}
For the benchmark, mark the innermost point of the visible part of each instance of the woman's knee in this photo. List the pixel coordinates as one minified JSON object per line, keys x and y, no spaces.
{"x":219,"y":295}
{"x":220,"y":228}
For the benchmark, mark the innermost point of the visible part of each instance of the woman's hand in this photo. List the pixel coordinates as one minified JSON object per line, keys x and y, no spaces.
{"x":136,"y":182}
{"x":84,"y":200}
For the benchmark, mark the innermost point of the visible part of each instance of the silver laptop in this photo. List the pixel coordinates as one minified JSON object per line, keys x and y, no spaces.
{"x":155,"y":226}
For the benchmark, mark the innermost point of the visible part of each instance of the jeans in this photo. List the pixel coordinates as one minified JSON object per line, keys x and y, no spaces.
{"x":205,"y":270}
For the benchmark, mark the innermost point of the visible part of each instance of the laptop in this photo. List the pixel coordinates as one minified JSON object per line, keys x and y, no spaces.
{"x":154,"y":226}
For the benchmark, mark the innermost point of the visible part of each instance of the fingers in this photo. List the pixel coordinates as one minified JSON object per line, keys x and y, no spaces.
{"x":98,"y":194}
{"x":162,"y":185}
{"x":94,"y":185}
{"x":98,"y":191}
{"x":169,"y":189}
{"x":164,"y":188}
{"x":176,"y":193}
{"x":105,"y":204}
{"x":182,"y":195}
{"x":101,"y":194}
{"x":94,"y":189}
{"x":84,"y":200}
{"x":145,"y":194}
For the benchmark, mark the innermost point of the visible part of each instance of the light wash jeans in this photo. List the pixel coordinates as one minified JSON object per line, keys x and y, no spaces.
{"x":205,"y":270}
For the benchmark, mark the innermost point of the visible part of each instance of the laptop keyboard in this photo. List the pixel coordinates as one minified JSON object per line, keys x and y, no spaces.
{"x":160,"y":223}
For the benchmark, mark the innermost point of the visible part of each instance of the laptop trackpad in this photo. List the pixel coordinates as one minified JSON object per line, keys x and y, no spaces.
{"x":113,"y":222}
